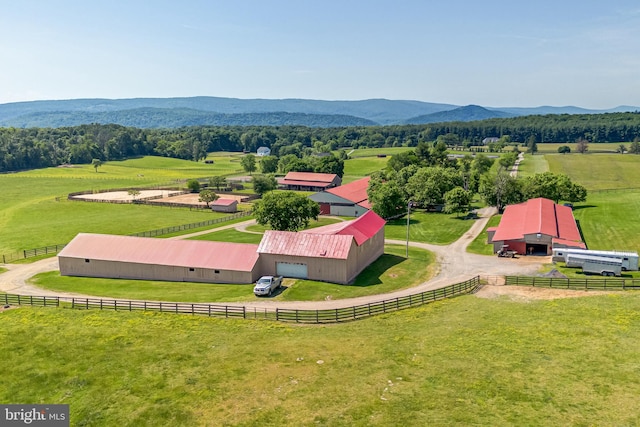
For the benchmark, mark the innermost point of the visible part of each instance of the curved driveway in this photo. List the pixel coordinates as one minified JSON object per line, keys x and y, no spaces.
{"x":455,"y":265}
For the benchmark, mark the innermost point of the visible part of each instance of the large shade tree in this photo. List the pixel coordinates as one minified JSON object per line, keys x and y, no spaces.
{"x":286,"y":211}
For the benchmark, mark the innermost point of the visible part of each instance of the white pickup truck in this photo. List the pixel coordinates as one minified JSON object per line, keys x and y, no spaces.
{"x":266,"y":285}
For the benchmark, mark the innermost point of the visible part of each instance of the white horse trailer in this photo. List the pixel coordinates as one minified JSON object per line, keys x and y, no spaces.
{"x":602,"y":266}
{"x":629,"y":259}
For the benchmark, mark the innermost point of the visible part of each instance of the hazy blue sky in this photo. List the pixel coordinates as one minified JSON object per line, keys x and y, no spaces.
{"x":492,"y":53}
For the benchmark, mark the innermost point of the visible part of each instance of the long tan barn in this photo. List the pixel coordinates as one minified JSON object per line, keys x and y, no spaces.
{"x":125,"y":257}
{"x":334,"y":253}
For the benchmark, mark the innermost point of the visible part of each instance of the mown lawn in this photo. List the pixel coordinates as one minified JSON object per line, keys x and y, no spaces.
{"x":479,"y":245}
{"x":532,"y":165}
{"x":428,"y":227}
{"x":320,"y":222}
{"x":390,"y":272}
{"x":465,"y":361}
{"x":609,"y":220}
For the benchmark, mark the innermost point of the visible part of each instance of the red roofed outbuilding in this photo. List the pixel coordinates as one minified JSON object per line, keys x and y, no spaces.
{"x":309,"y":181}
{"x":145,"y":258}
{"x":224,"y":205}
{"x":346,"y":200}
{"x":536,"y":227}
{"x":334,"y":253}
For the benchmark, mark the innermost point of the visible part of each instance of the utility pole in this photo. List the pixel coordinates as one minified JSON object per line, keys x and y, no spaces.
{"x":408,"y":217}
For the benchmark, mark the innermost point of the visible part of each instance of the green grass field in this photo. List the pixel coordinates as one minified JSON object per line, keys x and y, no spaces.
{"x":466,"y":361}
{"x":34,"y":211}
{"x":609,"y":220}
{"x":532,"y":165}
{"x":358,"y":167}
{"x":599,"y":171}
{"x":428,"y":227}
{"x":479,"y":245}
{"x":599,"y":147}
{"x":392,"y":271}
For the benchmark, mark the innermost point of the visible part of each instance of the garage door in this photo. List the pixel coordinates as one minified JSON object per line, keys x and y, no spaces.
{"x":288,"y":269}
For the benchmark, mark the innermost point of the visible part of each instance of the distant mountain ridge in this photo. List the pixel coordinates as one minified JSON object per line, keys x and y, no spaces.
{"x":206,"y":110}
{"x":463,"y":114}
{"x":179,"y":117}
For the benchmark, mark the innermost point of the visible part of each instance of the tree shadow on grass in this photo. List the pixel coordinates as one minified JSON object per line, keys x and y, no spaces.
{"x":575,"y":208}
{"x":370,"y":276}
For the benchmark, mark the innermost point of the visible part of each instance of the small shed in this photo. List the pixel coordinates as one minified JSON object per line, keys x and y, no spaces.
{"x":225,"y":205}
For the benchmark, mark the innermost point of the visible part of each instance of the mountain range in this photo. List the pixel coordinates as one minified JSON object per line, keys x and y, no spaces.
{"x":204,"y":110}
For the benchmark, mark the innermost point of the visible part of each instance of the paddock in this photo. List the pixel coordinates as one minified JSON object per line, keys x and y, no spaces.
{"x":124,"y":195}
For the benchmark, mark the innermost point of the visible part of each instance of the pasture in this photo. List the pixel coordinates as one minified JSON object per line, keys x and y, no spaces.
{"x":598,"y":171}
{"x":34,"y":211}
{"x":532,"y":165}
{"x":593,"y":147}
{"x":508,"y":363}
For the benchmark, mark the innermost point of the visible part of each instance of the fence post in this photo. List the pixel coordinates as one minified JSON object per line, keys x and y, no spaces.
{"x":73,"y":303}
{"x":265,"y":313}
{"x":337,"y":315}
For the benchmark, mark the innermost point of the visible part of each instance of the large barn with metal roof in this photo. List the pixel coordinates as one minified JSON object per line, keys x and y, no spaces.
{"x":536,"y":227}
{"x":309,"y":181}
{"x":346,"y":200}
{"x":334,"y":253}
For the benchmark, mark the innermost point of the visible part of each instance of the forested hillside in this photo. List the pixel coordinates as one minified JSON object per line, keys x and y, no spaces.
{"x":180,"y":117}
{"x":43,"y":147}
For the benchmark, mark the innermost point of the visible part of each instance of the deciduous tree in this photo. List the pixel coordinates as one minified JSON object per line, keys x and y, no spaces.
{"x":193,"y":185}
{"x":457,"y":201}
{"x":248,"y":163}
{"x":96,"y":163}
{"x":582,"y":146}
{"x":286,"y":211}
{"x":387,"y":198}
{"x":208,"y":196}
{"x":269,"y":164}
{"x":264,"y":183}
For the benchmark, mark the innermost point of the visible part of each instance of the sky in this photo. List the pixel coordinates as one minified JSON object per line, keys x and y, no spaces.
{"x":494,"y":53}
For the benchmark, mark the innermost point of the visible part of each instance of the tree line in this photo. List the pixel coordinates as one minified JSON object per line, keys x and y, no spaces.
{"x":34,"y":148}
{"x":427,"y":178}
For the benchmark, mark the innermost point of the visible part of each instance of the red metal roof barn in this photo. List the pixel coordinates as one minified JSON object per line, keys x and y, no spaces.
{"x":536,"y":227}
{"x":346,"y":200}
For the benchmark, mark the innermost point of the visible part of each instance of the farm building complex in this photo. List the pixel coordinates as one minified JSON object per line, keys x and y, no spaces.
{"x":536,"y":227}
{"x":346,"y":200}
{"x":334,"y":253}
{"x":309,"y":181}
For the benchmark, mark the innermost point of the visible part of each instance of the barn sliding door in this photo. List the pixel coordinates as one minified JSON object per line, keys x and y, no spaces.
{"x":288,"y":269}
